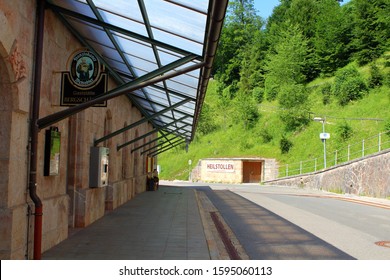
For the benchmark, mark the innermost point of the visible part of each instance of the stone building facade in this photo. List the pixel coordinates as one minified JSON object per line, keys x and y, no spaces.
{"x":68,"y":200}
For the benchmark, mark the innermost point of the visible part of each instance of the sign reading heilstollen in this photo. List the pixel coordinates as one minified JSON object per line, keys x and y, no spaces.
{"x":84,"y":81}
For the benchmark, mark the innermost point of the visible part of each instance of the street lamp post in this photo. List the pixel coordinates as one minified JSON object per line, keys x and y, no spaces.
{"x":323,"y":135}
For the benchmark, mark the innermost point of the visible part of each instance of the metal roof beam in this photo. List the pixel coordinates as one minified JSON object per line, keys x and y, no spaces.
{"x":164,"y":150}
{"x":217,"y":11}
{"x":149,"y":133}
{"x":112,"y":72}
{"x":152,"y":141}
{"x":125,"y":88}
{"x":113,"y":41}
{"x":141,"y":121}
{"x":161,"y":144}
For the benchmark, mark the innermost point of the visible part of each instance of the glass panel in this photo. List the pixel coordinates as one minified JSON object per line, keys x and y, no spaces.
{"x":178,"y":42}
{"x":106,"y":52}
{"x":121,"y":67}
{"x":125,"y":8}
{"x":91,"y":32}
{"x":167,"y":57}
{"x":199,"y":5}
{"x":176,"y":19}
{"x":123,"y":23}
{"x":141,"y":63}
{"x":181,"y":88}
{"x":179,"y":23}
{"x":135,"y":48}
{"x":77,"y":6}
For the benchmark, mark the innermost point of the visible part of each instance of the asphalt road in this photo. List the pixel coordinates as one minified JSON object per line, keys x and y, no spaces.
{"x":291,"y":223}
{"x":348,"y":225}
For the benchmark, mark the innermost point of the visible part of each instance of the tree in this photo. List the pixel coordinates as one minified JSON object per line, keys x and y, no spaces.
{"x":206,"y":122}
{"x":332,"y":36}
{"x":293,"y":101}
{"x":371,"y":29}
{"x":285,"y":65}
{"x":252,"y":64}
{"x":237,"y":33}
{"x":245,"y":110}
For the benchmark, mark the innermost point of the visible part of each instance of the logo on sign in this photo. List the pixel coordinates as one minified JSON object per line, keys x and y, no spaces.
{"x":85,"y":81}
{"x":84,"y":70}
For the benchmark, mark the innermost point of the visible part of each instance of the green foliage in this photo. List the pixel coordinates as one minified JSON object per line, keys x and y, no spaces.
{"x":345,"y":131}
{"x":271,"y":88}
{"x":326,"y":91}
{"x":206,"y":122}
{"x":285,"y":145}
{"x":266,"y":136}
{"x":387,"y":127}
{"x":371,"y":29}
{"x":237,"y":34}
{"x":331,"y":39}
{"x":376,"y":78}
{"x":349,"y":85}
{"x":271,"y":65}
{"x":285,"y":64}
{"x":294,"y":103}
{"x":258,"y":94}
{"x":245,"y":110}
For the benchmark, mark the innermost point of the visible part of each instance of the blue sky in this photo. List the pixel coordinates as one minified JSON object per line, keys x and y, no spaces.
{"x":265,"y":7}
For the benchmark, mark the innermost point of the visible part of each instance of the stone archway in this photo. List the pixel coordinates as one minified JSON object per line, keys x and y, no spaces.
{"x":13,"y":153}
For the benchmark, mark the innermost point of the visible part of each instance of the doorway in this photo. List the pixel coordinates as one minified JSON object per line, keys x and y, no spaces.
{"x":251,"y":171}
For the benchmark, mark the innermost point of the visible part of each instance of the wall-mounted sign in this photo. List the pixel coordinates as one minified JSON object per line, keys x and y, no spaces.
{"x":84,"y":81}
{"x":220,"y":167}
{"x":52,"y":152}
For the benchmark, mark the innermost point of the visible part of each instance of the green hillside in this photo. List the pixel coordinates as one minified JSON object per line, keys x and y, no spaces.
{"x":309,"y":59}
{"x":234,"y":139}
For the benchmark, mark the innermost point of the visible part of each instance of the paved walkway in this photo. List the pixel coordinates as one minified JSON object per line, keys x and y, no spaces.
{"x":179,"y":223}
{"x":163,"y":225}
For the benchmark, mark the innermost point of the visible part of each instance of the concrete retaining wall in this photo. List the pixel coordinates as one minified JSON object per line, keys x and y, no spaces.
{"x":369,"y":176}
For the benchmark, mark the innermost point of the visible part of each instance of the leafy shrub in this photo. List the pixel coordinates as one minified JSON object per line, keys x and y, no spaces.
{"x":349,"y":85}
{"x":258,"y":94}
{"x":206,"y":122}
{"x":376,"y":78}
{"x":271,"y":89}
{"x":246,"y":145}
{"x":266,"y":136}
{"x":245,"y":110}
{"x":345,"y":131}
{"x":293,"y":100}
{"x":285,"y":145}
{"x":387,"y":128}
{"x":326,"y":91}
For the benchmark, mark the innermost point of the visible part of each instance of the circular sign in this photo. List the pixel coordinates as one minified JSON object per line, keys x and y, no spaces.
{"x":84,"y":69}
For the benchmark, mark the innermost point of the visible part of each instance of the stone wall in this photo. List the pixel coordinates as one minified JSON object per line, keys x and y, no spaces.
{"x":369,"y":176}
{"x":16,"y":49}
{"x":67,"y":198}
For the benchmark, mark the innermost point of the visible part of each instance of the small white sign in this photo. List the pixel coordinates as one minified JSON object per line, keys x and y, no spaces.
{"x":324,"y":136}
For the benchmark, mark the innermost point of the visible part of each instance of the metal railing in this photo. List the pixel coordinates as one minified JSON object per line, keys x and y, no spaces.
{"x":347,"y":153}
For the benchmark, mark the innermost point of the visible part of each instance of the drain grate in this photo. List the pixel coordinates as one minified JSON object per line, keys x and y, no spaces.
{"x":383,"y":243}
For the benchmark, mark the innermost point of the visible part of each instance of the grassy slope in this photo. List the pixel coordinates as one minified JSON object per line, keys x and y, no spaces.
{"x":234,"y":141}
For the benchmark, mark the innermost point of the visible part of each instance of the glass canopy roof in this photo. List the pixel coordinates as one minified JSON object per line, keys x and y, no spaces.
{"x":164,"y":46}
